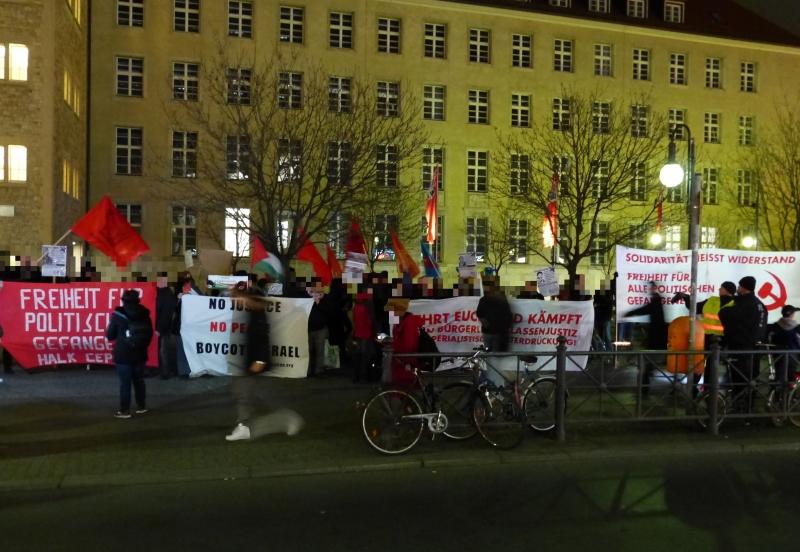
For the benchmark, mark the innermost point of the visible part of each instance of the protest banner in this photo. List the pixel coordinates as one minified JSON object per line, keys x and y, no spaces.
{"x":777,"y":277}
{"x":455,"y":327}
{"x":214,"y":335}
{"x":56,"y":324}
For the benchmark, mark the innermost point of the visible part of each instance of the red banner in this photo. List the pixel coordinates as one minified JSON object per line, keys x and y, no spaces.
{"x":53,"y":324}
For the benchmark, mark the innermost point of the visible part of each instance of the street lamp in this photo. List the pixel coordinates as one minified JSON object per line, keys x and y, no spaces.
{"x":748,"y":242}
{"x":656,"y":239}
{"x":671,"y":176}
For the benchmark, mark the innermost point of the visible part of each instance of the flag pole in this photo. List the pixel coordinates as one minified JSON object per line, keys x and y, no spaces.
{"x":62,"y":238}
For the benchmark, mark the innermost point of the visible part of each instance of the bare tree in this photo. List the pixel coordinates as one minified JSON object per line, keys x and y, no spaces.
{"x":509,"y":235}
{"x":292,"y":145}
{"x":606,"y":158}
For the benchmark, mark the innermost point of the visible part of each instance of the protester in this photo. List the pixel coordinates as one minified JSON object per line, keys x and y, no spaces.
{"x":656,"y":332}
{"x":186,"y":286}
{"x":744,"y":326}
{"x":317,"y":329}
{"x":785,"y":335}
{"x":530,"y":291}
{"x":603,"y":311}
{"x":364,"y":332}
{"x":339,"y":325}
{"x":405,"y":340}
{"x":131,"y":330}
{"x":494,"y":313}
{"x":166,"y":305}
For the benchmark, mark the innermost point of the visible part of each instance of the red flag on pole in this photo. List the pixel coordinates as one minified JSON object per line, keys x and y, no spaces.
{"x":308,"y":252}
{"x":404,"y":261}
{"x":108,"y":231}
{"x":550,"y":224}
{"x":355,"y":263}
{"x":333,"y":262}
{"x":432,"y":206}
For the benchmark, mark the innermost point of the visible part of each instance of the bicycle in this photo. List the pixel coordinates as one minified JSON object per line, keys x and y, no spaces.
{"x":539,"y":398}
{"x":393,"y":419}
{"x":498,"y":411}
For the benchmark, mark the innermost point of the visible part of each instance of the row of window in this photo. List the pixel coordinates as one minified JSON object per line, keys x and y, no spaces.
{"x":13,"y":62}
{"x":673,"y":9}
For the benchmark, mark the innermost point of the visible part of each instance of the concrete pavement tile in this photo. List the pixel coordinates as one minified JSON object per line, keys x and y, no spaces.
{"x":154,"y":477}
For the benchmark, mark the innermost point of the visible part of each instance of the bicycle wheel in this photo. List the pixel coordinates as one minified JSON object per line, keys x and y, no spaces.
{"x":775,"y":407}
{"x":499,"y":419}
{"x":702,"y":404}
{"x":539,"y":404}
{"x":456,"y":401}
{"x":793,"y":408}
{"x":385,"y":423}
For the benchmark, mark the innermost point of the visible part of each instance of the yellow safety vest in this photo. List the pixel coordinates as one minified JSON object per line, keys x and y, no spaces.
{"x":711,"y":322}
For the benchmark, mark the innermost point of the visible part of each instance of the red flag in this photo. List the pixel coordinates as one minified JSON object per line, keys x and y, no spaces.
{"x":432,"y":207}
{"x":333,"y":262}
{"x":355,"y":263}
{"x":550,"y":224}
{"x":107,"y":230}
{"x":404,"y":261}
{"x":308,"y":252}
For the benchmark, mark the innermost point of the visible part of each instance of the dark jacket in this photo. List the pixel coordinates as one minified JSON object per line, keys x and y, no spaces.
{"x":129,"y":313}
{"x":495,"y":315}
{"x":319,"y":315}
{"x":339,"y":325}
{"x":785,"y":334}
{"x":744,"y":323}
{"x":257,"y":337}
{"x":657,"y":332}
{"x":166,"y":305}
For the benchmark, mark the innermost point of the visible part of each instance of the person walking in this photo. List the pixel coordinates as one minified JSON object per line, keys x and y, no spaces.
{"x":656,"y":332}
{"x":131,"y":330}
{"x":339,"y":324}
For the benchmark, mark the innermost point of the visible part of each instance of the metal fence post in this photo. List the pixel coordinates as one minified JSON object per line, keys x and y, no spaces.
{"x":712,"y":384}
{"x":386,"y":365}
{"x":561,"y":388}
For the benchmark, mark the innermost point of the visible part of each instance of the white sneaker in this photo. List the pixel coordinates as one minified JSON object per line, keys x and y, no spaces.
{"x":294,"y":425}
{"x":240,"y":433}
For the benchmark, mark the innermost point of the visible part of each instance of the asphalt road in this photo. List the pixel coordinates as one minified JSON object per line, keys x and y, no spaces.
{"x":736,"y":503}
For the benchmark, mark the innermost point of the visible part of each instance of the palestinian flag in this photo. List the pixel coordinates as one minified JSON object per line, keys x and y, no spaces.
{"x":266,"y":262}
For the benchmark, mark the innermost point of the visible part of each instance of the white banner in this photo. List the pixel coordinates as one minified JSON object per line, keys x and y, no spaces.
{"x":455,"y":327}
{"x":777,"y":276}
{"x":214,"y":334}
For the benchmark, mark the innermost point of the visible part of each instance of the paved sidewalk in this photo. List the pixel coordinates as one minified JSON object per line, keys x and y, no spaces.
{"x":57,"y":431}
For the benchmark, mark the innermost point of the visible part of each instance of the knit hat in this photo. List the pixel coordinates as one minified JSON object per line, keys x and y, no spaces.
{"x":788,"y":310}
{"x":730,"y":287}
{"x":748,"y":283}
{"x":130,"y":296}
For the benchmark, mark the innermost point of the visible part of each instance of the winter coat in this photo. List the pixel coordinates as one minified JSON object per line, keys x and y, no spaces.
{"x":405,"y":340}
{"x":166,"y":305}
{"x":657,"y":332}
{"x":744,"y":323}
{"x":364,"y":326}
{"x":339,"y":325}
{"x":318,"y":318}
{"x":119,"y":324}
{"x":495,"y":315}
{"x":785,"y":334}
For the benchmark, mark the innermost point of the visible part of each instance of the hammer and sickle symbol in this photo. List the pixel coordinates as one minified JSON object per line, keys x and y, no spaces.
{"x":765,"y":291}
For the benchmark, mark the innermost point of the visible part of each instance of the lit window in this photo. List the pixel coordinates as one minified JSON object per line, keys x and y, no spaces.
{"x":75,"y":8}
{"x":708,"y":237}
{"x":291,"y":29}
{"x":13,"y":163}
{"x":237,"y":231}
{"x":184,"y":230}
{"x":384,"y":248}
{"x":14,"y":62}
{"x":672,"y":238}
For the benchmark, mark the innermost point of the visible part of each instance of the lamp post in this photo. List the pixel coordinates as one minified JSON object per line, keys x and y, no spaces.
{"x":671,"y":176}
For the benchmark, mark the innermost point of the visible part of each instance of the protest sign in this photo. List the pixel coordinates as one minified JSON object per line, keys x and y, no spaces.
{"x":467,"y":265}
{"x":546,"y":281}
{"x":222,"y":282}
{"x":54,"y":260}
{"x":54,"y":324}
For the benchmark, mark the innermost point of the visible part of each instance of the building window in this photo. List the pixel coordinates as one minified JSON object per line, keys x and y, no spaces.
{"x":130,"y":13}
{"x":602,"y":60}
{"x":384,"y":248}
{"x":519,"y":173}
{"x":13,"y":163}
{"x":639,"y":182}
{"x":676,"y":118}
{"x":637,"y":236}
{"x":388,"y":35}
{"x":70,"y":180}
{"x":184,"y":230}
{"x":562,"y":55}
{"x":711,"y":128}
{"x":639,"y":121}
{"x":14,"y":62}
{"x":673,"y":12}
{"x":388,"y":99}
{"x":340,"y":30}
{"x":386,"y":163}
{"x":338,"y":226}
{"x":677,"y":69}
{"x":132,"y":213}
{"x":744,"y":186}
{"x":521,"y":51}
{"x":672,"y":238}
{"x":339,"y":163}
{"x":187,"y":16}
{"x":601,"y":117}
{"x":433,"y":106}
{"x":75,"y":8}
{"x":290,"y":90}
{"x":290,"y":161}
{"x":339,"y":96}
{"x":599,"y":243}
{"x":637,"y":8}
{"x":435,"y":40}
{"x":477,"y":234}
{"x":479,"y":45}
{"x":291,"y":27}
{"x":560,"y":3}
{"x":477,"y":170}
{"x":129,"y":151}
{"x":713,"y":73}
{"x":747,"y":77}
{"x":71,"y":93}
{"x":237,"y":231}
{"x":561,"y":114}
{"x":478,"y":111}
{"x":432,"y":156}
{"x":130,"y":77}
{"x":520,"y":110}
{"x":240,"y":18}
{"x":184,"y":154}
{"x":518,"y":240}
{"x":599,"y":6}
{"x":185,"y":81}
{"x":641,"y":64}
{"x":675,"y":195}
{"x":746,"y":123}
{"x":239,"y":81}
{"x":237,"y":157}
{"x":710,"y":185}
{"x":600,"y":173}
{"x":708,"y":237}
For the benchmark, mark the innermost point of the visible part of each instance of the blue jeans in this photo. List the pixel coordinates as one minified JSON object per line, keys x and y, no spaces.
{"x":131,"y":374}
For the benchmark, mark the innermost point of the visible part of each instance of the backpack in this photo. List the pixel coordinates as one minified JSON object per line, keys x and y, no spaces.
{"x":426,"y":344}
{"x":137,"y":334}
